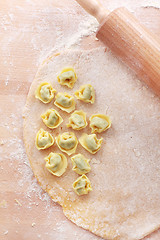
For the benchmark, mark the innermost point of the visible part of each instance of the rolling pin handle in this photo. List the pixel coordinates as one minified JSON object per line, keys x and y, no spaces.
{"x":94,"y":8}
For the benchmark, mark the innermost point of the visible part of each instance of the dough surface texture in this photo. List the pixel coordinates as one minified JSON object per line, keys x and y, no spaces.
{"x":125,"y":173}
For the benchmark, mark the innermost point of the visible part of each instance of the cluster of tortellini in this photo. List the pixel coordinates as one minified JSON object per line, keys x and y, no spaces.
{"x":56,"y":163}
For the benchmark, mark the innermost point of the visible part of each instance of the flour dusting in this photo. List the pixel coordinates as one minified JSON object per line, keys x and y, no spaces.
{"x":44,"y":28}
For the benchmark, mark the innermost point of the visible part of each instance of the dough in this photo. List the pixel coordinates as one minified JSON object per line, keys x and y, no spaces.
{"x":56,"y":163}
{"x":65,"y":102}
{"x":80,"y":164}
{"x":90,"y":142}
{"x":125,"y":173}
{"x":99,"y":123}
{"x":82,"y":185}
{"x":67,"y":77}
{"x":86,"y":93}
{"x":77,"y":120}
{"x":67,"y":142}
{"x":45,"y":92}
{"x":51,"y":118}
{"x":43,"y":140}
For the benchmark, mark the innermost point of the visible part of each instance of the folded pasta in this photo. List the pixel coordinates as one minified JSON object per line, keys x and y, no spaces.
{"x":86,"y":93}
{"x":52,"y":118}
{"x":77,"y":120}
{"x":45,"y":92}
{"x":65,"y":102}
{"x":67,"y":142}
{"x":80,"y":164}
{"x":43,"y":139}
{"x":67,"y":77}
{"x":82,"y":185}
{"x":90,"y":142}
{"x":99,"y":123}
{"x":56,"y":163}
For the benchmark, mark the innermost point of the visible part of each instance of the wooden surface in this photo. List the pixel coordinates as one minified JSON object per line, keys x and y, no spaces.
{"x":134,"y":44}
{"x":95,"y":8}
{"x":27,"y":35}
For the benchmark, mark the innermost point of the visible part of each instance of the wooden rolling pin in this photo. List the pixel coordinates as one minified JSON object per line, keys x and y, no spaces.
{"x":129,"y":40}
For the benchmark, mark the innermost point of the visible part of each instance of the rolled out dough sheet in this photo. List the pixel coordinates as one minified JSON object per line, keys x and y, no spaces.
{"x":125,"y":173}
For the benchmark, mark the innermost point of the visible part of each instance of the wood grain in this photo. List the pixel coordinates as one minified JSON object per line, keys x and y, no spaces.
{"x":94,"y":8}
{"x":23,"y":46}
{"x":134,"y":44}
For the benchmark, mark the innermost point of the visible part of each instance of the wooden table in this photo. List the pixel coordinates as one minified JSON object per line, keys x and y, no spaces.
{"x":28,"y":33}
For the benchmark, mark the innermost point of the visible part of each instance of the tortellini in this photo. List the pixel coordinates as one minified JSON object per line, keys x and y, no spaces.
{"x":45,"y":92}
{"x":43,"y":139}
{"x":82,"y":185}
{"x":56,"y":163}
{"x":80,"y":164}
{"x":90,"y":142}
{"x":86,"y":93}
{"x":51,"y":118}
{"x":67,"y":142}
{"x":65,"y":102}
{"x":77,"y":121}
{"x":67,"y":77}
{"x":99,"y":123}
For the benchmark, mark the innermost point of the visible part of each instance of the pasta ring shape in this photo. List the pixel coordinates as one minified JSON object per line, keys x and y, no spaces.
{"x":67,"y":77}
{"x":44,"y":139}
{"x":45,"y":92}
{"x":51,"y":118}
{"x":56,"y":163}
{"x":90,"y":142}
{"x":67,"y":142}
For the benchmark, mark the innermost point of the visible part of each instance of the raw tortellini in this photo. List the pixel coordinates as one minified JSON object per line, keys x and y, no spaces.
{"x":86,"y":93}
{"x":90,"y":142}
{"x":77,"y":121}
{"x":44,"y":139}
{"x":67,"y":142}
{"x":67,"y":77}
{"x":56,"y":163}
{"x":65,"y":102}
{"x":45,"y":92}
{"x":99,"y":123}
{"x":51,"y":118}
{"x":82,"y":185}
{"x":80,"y":164}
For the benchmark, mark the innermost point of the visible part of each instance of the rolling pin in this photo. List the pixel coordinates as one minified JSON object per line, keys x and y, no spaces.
{"x":128,"y":39}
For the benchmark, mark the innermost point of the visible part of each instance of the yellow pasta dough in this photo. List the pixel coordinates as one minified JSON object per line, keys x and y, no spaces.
{"x":80,"y":164}
{"x":82,"y":185}
{"x":99,"y":123}
{"x":67,"y":77}
{"x":45,"y":92}
{"x":67,"y":142}
{"x":65,"y":102}
{"x":90,"y":142}
{"x":56,"y":163}
{"x":43,"y":139}
{"x":52,"y":118}
{"x":77,"y":120}
{"x":86,"y":93}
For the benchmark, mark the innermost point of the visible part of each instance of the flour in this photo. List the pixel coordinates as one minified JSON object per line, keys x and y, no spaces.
{"x":60,"y":27}
{"x":6,"y":232}
{"x":55,"y":28}
{"x":86,"y":27}
{"x":129,"y":4}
